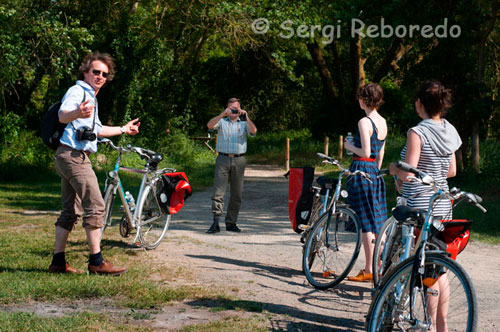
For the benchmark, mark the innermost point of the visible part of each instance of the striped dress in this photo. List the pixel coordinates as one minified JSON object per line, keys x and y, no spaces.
{"x":417,"y":194}
{"x":366,"y":198}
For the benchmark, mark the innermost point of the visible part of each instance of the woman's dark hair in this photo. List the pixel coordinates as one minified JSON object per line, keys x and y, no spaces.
{"x":435,"y":98}
{"x":372,"y":95}
{"x":96,"y":56}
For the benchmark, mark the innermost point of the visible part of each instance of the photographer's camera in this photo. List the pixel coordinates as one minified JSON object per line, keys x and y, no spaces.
{"x":85,"y":134}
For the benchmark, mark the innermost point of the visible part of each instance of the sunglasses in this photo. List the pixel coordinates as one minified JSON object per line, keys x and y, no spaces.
{"x":98,"y":72}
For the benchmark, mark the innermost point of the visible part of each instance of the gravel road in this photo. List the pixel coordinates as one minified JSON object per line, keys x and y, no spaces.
{"x":263,"y":264}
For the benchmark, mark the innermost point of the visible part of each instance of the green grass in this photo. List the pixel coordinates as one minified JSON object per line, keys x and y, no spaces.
{"x":21,"y":321}
{"x":25,"y":259}
{"x":232,"y":324}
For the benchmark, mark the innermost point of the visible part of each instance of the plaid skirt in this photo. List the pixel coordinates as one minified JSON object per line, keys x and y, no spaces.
{"x":367,"y":198}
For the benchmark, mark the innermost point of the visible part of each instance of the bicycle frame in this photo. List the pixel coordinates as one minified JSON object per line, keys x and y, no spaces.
{"x":115,"y":178}
{"x":420,"y":252}
{"x":149,"y":175}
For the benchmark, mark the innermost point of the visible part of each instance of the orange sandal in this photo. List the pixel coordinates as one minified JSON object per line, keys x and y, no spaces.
{"x":362,"y":277}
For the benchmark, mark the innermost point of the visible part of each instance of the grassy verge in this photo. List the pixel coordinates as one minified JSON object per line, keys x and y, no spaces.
{"x":256,"y":324}
{"x":21,"y":321}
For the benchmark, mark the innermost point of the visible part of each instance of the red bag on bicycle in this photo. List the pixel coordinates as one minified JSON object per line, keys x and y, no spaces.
{"x":453,"y":239}
{"x":455,"y":235}
{"x":300,"y":196}
{"x":174,"y":190}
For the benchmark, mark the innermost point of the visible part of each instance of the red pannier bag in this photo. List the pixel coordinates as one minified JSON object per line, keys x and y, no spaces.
{"x":455,"y":235}
{"x":453,"y":239}
{"x":174,"y":190}
{"x":300,"y":195}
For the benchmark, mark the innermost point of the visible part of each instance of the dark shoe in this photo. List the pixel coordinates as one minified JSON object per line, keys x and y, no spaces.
{"x":232,"y":228}
{"x":64,"y":269}
{"x":214,"y":228}
{"x":107,"y":268}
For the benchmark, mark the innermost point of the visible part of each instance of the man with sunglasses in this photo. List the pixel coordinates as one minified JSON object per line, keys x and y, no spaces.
{"x":80,"y":193}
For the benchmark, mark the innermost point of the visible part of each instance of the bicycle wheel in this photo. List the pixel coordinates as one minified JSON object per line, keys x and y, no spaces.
{"x":332,"y":248}
{"x":385,"y":251}
{"x":443,"y":297}
{"x":109,"y":200}
{"x":153,"y":222}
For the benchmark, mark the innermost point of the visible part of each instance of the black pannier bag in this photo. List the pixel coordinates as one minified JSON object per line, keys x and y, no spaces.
{"x":300,"y":196}
{"x":173,"y":191}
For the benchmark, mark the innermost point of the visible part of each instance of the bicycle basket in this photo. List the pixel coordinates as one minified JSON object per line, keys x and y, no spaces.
{"x":173,"y":191}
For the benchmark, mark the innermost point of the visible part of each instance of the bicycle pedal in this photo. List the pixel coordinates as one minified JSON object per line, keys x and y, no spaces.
{"x":328,"y":274}
{"x":303,"y":227}
{"x":432,"y":292}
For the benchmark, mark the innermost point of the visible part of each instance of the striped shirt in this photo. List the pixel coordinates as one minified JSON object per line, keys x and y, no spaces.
{"x":232,"y":136}
{"x":417,"y":194}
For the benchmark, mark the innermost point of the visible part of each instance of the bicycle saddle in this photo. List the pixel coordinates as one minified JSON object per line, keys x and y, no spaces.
{"x":325,"y":181}
{"x":404,"y":213}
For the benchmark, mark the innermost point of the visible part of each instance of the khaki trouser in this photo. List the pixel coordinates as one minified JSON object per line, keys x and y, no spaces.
{"x":230,"y":169}
{"x":80,"y":193}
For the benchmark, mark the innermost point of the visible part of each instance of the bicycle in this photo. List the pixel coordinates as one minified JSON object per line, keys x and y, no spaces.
{"x":408,"y":295}
{"x":334,"y":240}
{"x":396,"y":238}
{"x":147,"y":217}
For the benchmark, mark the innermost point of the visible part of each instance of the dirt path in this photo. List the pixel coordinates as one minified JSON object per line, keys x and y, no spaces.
{"x":263,"y":264}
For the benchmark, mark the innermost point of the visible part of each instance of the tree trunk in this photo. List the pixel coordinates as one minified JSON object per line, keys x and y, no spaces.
{"x":476,"y":159}
{"x":133,"y":7}
{"x":337,"y":74}
{"x":357,"y":65}
{"x":390,"y":56}
{"x":324,"y":73}
{"x":460,"y":160}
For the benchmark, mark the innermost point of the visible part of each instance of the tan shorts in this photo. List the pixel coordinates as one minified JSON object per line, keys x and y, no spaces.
{"x":80,"y":193}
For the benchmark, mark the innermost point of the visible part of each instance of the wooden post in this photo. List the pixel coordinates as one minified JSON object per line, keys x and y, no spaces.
{"x":287,"y":155}
{"x":216,"y":138}
{"x":326,"y":145}
{"x":341,"y":146}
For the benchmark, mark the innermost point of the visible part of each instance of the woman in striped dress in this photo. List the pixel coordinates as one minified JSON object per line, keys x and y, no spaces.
{"x":431,"y":147}
{"x":367,"y":198}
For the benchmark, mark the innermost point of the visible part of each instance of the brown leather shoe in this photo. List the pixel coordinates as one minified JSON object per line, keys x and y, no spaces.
{"x":64,"y":269}
{"x":107,"y":268}
{"x":362,"y":277}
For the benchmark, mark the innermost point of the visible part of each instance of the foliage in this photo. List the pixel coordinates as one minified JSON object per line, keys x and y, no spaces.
{"x":179,"y":62}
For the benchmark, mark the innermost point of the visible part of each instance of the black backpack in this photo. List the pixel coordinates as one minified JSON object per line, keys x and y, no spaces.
{"x":52,"y":129}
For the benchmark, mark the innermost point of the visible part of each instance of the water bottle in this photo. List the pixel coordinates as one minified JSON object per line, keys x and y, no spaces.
{"x":350,"y":139}
{"x":130,"y":200}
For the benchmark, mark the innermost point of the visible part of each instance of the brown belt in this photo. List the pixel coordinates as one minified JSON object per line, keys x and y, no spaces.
{"x":231,"y":155}
{"x":69,"y":147}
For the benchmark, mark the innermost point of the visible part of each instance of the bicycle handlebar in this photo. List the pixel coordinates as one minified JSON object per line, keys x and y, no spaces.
{"x":409,"y":168}
{"x":144,"y":153}
{"x":454,"y":193}
{"x":332,"y":161}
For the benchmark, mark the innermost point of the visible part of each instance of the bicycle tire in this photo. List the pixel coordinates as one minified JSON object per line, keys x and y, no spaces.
{"x":387,"y":245}
{"x":330,"y":254}
{"x":109,"y":200}
{"x":153,"y":221}
{"x":389,"y":310}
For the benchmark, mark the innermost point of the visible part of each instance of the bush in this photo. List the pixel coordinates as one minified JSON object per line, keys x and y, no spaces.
{"x":24,"y":157}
